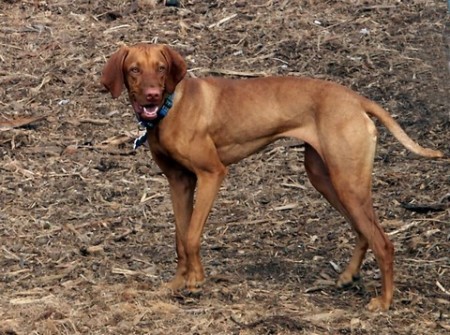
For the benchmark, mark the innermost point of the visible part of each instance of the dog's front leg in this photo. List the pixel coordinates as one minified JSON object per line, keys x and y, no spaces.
{"x":208,"y":184}
{"x":182,"y":186}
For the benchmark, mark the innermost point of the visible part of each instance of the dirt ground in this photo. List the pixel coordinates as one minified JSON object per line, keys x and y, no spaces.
{"x":86,"y":226}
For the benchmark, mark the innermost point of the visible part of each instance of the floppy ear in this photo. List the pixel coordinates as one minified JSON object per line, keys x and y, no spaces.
{"x":177,"y":68}
{"x":112,"y":77}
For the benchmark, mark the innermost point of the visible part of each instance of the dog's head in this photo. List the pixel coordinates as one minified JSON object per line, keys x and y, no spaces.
{"x":148,"y":71}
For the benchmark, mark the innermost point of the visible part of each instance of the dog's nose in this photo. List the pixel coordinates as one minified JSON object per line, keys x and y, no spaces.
{"x":152,"y":94}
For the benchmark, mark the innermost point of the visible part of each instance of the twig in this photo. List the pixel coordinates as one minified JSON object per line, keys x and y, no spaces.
{"x":286,"y":207}
{"x":11,"y":254}
{"x":26,"y":301}
{"x":112,"y":29}
{"x":122,"y":236}
{"x":314,"y":288}
{"x":94,"y":121}
{"x":12,"y":46}
{"x":335,"y":267}
{"x":90,"y":281}
{"x":431,"y":220}
{"x":127,"y":272}
{"x":44,"y":81}
{"x":225,"y":19}
{"x":235,"y":73}
{"x":14,"y":76}
{"x":442,"y":259}
{"x":144,"y":197}
{"x":302,"y":187}
{"x":402,"y":229}
{"x":10,"y":124}
{"x":442,"y":288}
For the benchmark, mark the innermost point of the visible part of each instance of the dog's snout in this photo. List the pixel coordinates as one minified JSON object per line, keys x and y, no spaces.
{"x":152,"y":94}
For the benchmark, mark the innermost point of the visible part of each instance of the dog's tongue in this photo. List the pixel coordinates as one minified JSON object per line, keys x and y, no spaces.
{"x":149,"y":113}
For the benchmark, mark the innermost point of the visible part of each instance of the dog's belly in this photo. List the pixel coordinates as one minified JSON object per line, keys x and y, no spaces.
{"x":232,"y":153}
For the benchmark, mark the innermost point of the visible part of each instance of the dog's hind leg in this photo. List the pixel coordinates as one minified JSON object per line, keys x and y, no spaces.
{"x":320,"y":179}
{"x":349,"y":162}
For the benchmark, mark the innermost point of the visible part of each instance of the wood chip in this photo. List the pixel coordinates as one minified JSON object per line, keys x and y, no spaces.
{"x":20,"y":122}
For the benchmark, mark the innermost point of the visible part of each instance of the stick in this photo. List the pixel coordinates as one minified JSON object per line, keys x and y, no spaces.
{"x":236,"y":73}
{"x":402,"y":229}
{"x":228,"y":18}
{"x":442,"y":288}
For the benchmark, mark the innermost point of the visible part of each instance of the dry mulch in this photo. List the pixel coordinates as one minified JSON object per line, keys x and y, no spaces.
{"x":86,"y":227}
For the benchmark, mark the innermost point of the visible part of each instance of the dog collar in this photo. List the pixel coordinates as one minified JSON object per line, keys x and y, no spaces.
{"x":162,"y":112}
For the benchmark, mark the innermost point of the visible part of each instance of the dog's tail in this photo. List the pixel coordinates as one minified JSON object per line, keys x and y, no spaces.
{"x":374,"y":109}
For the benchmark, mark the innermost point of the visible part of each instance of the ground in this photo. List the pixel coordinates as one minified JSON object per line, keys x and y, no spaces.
{"x":86,"y":226}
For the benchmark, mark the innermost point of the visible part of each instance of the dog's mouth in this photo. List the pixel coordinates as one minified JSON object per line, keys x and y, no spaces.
{"x":146,"y":112}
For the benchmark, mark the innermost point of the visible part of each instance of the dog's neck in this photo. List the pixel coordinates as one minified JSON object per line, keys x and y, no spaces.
{"x":162,"y":112}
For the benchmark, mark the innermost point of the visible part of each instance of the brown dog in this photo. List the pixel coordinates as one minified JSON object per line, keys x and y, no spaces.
{"x":215,"y":122}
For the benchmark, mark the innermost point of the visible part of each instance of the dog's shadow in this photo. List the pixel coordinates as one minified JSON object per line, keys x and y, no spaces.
{"x":282,"y":276}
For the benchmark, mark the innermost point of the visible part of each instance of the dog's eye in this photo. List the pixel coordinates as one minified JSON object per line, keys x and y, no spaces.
{"x":161,"y":68}
{"x":134,"y":70}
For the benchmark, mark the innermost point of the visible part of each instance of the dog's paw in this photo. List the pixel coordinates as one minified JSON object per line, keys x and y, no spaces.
{"x":347,"y":280}
{"x":176,"y":284}
{"x":194,"y":283}
{"x":378,"y":304}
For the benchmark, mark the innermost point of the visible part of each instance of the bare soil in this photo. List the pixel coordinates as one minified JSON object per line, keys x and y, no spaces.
{"x":86,"y":226}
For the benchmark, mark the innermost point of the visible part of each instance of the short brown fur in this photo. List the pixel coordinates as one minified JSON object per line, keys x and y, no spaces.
{"x":215,"y":122}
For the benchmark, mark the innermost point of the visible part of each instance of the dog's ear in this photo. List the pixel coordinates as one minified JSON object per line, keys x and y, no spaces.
{"x":177,"y":68}
{"x":112,"y":76}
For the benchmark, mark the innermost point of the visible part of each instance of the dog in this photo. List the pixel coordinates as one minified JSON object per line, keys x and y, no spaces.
{"x":196,"y":127}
